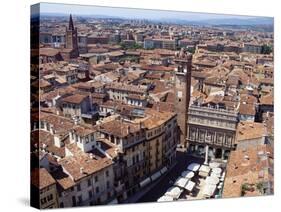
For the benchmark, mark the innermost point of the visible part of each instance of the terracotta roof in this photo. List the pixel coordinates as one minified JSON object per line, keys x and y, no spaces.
{"x":267,"y":99}
{"x":247,"y":109}
{"x":127,"y":87}
{"x":250,"y":130}
{"x":119,"y":129}
{"x":79,"y":159}
{"x":157,"y":68}
{"x":60,"y":124}
{"x":248,"y":166}
{"x":75,"y":98}
{"x":47,"y":139}
{"x":83,"y":130}
{"x":41,"y":178}
{"x":44,"y":83}
{"x":50,"y":52}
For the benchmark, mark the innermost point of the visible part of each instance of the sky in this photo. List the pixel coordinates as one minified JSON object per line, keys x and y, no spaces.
{"x":131,"y":13}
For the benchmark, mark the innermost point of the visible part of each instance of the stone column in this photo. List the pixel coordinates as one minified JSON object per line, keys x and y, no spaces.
{"x":206,"y":155}
{"x":214,"y":153}
{"x":222,"y":154}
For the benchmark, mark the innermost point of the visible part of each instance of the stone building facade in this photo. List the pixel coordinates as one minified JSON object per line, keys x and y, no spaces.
{"x":211,"y":131}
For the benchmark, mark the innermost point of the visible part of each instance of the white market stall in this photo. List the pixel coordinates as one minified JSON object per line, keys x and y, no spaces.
{"x":209,"y":190}
{"x":190,"y":186}
{"x":217,"y":171}
{"x":214,"y":165}
{"x":165,"y":199}
{"x":212,"y":180}
{"x":181,"y":182}
{"x":193,"y":167}
{"x":174,"y":192}
{"x":187,"y":174}
{"x":215,"y":175}
{"x":204,"y":171}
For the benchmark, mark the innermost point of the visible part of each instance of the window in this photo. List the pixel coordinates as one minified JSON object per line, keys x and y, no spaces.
{"x":108,"y":195}
{"x":61,"y":205}
{"x":98,"y":201}
{"x":78,"y":187}
{"x":90,"y":194}
{"x":107,"y":184}
{"x":89,"y":182}
{"x":50,"y":197}
{"x":43,"y":201}
{"x":73,"y":201}
{"x":96,"y":178}
{"x":48,"y":127}
{"x":97,"y":190}
{"x":107,"y":173}
{"x":80,"y":198}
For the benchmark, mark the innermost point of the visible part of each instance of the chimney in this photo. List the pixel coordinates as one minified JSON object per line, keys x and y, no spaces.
{"x":92,"y":156}
{"x":158,"y":106}
{"x":44,"y":146}
{"x":81,"y":170}
{"x":128,"y":129}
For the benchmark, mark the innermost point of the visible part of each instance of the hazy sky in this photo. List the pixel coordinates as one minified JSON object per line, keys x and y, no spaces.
{"x":130,"y":13}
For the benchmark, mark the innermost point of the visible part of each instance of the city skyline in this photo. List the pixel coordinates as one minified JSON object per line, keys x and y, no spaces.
{"x":136,"y":13}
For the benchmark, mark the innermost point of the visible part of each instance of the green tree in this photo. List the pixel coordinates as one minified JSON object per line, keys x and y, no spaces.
{"x":266,"y":49}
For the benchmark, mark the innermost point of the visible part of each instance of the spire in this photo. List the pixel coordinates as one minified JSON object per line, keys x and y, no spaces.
{"x":70,"y":26}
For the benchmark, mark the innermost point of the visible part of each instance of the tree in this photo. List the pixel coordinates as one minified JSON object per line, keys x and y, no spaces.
{"x":266,"y":49}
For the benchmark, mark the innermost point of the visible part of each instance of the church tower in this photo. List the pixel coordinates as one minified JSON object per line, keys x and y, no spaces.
{"x":183,"y":60}
{"x":72,"y":38}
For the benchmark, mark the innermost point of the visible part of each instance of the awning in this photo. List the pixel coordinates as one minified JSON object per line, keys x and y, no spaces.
{"x":205,"y":168}
{"x":155,"y":176}
{"x":214,"y":165}
{"x":193,"y":167}
{"x":209,"y":190}
{"x":181,"y":182}
{"x":215,"y":175}
{"x":212,"y":180}
{"x":174,"y":192}
{"x":145,"y":182}
{"x":165,"y":199}
{"x":190,"y":185}
{"x":187,"y":174}
{"x":203,"y":174}
{"x":163,"y":170}
{"x":217,"y":170}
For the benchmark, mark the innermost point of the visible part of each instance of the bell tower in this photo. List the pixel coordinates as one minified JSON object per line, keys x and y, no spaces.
{"x":72,"y":38}
{"x":182,"y":76}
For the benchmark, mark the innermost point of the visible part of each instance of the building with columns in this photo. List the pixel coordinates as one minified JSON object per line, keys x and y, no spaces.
{"x":211,"y":131}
